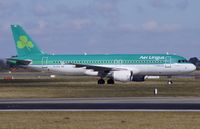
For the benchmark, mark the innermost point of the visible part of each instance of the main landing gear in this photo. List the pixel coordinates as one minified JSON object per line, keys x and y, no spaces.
{"x":109,"y":81}
{"x":101,"y":81}
{"x":169,"y":82}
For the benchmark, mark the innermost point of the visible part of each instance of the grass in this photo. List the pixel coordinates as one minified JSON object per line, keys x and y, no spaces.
{"x":70,"y":87}
{"x":99,"y":120}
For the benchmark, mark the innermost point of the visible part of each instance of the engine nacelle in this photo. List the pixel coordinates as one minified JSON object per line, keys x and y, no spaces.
{"x":126,"y":76}
{"x":91,"y":73}
{"x":123,"y":76}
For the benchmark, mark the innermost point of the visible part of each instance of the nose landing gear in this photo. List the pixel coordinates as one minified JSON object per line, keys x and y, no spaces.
{"x":169,"y":82}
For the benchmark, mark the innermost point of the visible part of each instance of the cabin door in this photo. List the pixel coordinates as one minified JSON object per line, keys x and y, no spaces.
{"x":44,"y":63}
{"x":168,"y":62}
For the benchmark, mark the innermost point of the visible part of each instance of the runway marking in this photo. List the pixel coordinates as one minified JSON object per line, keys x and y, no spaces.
{"x":95,"y":110}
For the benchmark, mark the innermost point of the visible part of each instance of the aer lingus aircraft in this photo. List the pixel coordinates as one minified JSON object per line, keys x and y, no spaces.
{"x":115,"y":67}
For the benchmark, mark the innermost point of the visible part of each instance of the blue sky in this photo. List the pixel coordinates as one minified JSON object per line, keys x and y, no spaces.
{"x":104,"y":26}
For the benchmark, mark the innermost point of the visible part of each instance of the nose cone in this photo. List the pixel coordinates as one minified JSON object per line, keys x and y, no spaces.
{"x":192,"y":67}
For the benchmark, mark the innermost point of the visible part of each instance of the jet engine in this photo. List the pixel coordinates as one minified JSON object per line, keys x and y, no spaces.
{"x":126,"y":76}
{"x":123,"y":76}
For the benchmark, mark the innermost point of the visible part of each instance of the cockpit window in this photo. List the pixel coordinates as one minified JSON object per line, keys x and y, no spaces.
{"x":182,"y":61}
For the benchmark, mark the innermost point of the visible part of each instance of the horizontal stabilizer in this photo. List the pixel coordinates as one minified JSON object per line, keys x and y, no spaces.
{"x":19,"y":62}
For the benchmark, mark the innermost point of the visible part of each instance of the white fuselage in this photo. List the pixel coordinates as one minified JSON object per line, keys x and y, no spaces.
{"x":141,"y":69}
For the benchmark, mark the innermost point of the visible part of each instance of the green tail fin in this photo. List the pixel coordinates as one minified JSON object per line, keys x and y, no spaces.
{"x":24,"y":44}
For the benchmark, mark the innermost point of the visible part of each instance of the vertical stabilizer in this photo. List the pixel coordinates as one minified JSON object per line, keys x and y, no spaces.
{"x":24,"y":44}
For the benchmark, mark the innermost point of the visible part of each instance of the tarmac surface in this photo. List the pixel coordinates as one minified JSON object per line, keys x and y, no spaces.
{"x":103,"y":104}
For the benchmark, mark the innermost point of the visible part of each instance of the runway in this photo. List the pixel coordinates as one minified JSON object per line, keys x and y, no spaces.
{"x":103,"y":104}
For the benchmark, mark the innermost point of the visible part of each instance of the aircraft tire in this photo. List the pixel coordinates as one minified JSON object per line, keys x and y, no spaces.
{"x":110,"y":81}
{"x":101,"y":82}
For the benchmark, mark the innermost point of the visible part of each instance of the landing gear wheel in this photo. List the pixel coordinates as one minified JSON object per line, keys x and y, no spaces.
{"x":101,"y":81}
{"x":110,"y":81}
{"x":170,"y":82}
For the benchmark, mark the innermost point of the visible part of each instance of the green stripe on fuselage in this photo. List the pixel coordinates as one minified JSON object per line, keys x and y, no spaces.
{"x":123,"y":59}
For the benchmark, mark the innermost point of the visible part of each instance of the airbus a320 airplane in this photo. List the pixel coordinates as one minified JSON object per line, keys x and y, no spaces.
{"x":115,"y":67}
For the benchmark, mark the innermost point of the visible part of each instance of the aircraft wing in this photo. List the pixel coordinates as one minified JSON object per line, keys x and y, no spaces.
{"x":97,"y":68}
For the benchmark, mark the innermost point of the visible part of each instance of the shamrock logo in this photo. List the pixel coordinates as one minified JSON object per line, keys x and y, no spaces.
{"x":24,"y":42}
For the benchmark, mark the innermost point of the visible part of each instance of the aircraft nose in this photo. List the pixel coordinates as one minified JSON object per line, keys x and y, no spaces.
{"x":192,"y":67}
